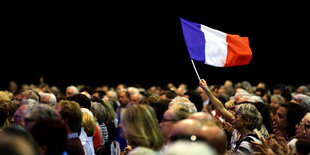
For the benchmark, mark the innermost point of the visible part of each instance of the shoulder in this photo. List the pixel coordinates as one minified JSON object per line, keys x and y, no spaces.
{"x":245,"y":146}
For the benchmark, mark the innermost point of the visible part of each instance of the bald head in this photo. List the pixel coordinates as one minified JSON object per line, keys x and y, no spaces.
{"x":201,"y":116}
{"x":184,"y":128}
{"x":215,"y":136}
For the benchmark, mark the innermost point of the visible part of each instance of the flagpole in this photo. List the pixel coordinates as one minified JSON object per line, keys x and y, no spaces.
{"x":195,"y":70}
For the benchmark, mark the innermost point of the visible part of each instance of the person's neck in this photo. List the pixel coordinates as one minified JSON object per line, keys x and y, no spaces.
{"x":244,"y":132}
{"x":284,"y":133}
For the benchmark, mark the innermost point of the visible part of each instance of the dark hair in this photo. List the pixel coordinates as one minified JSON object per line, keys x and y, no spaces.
{"x":303,"y":147}
{"x":195,"y":98}
{"x":160,"y":107}
{"x":294,"y":113}
{"x":88,"y":89}
{"x":52,"y":134}
{"x":169,"y":94}
{"x":262,"y":90}
{"x":265,"y":112}
{"x":81,"y":99}
{"x":100,"y":93}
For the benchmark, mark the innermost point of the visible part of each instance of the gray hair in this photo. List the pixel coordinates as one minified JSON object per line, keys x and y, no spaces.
{"x":250,"y":113}
{"x":183,"y":101}
{"x":52,"y":100}
{"x":30,"y":102}
{"x":303,"y":100}
{"x":75,"y":90}
{"x":31,"y":94}
{"x":40,"y":112}
{"x":279,"y":98}
{"x":99,"y":111}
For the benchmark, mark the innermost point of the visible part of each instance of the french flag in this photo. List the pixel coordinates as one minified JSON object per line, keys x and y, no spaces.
{"x":214,"y":47}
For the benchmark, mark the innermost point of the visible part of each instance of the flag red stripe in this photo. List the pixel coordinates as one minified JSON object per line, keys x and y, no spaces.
{"x":238,"y":51}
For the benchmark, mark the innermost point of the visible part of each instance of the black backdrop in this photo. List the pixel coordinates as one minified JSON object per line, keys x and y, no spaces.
{"x":141,"y":42}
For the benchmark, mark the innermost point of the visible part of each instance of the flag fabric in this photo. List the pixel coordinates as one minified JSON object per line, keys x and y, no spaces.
{"x":214,"y":47}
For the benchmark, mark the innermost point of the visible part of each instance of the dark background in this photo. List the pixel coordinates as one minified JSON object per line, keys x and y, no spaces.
{"x":141,"y":42}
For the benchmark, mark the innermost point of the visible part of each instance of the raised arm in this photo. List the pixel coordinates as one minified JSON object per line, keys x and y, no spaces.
{"x":229,"y":117}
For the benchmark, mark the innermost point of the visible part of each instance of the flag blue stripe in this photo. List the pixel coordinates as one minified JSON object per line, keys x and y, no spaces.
{"x":194,"y":39}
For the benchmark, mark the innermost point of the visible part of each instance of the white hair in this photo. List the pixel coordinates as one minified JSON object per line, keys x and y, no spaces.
{"x":52,"y":101}
{"x":133,"y":90}
{"x":75,"y":90}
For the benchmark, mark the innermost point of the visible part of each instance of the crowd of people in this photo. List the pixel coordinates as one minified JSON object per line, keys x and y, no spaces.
{"x":217,"y":119}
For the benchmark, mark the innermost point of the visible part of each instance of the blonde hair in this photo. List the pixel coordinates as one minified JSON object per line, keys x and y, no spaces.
{"x":89,"y":124}
{"x":141,"y":128}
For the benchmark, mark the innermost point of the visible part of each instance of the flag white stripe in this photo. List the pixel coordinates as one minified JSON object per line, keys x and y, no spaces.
{"x":215,"y":46}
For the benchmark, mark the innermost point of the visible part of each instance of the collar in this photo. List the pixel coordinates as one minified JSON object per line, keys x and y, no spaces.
{"x":73,"y":135}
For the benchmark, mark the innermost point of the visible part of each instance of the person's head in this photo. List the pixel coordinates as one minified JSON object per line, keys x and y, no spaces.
{"x":88,"y":123}
{"x":202,"y":93}
{"x":49,"y":99}
{"x":99,"y":111}
{"x":287,"y":117}
{"x":185,"y":102}
{"x":230,"y":106}
{"x":195,"y":98}
{"x":110,"y":113}
{"x":278,"y":89}
{"x":184,"y":129}
{"x":184,"y":147}
{"x":70,"y":112}
{"x":203,"y":117}
{"x":111,"y":96}
{"x":136,"y":98}
{"x":124,"y":98}
{"x":16,"y":140}
{"x":81,"y":99}
{"x":276,"y":101}
{"x":133,"y":90}
{"x":303,"y":128}
{"x":260,"y":92}
{"x":302,"y":147}
{"x":39,"y":112}
{"x":99,"y":94}
{"x":140,"y":127}
{"x":71,"y":90}
{"x":302,"y":100}
{"x":214,"y":136}
{"x":31,"y":94}
{"x":170,"y":117}
{"x":180,"y":91}
{"x":302,"y":90}
{"x":19,"y":115}
{"x":247,"y":117}
{"x":168,"y":94}
{"x":51,"y":136}
{"x":160,"y":107}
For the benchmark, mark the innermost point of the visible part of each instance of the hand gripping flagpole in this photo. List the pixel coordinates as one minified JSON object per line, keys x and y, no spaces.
{"x":195,"y":70}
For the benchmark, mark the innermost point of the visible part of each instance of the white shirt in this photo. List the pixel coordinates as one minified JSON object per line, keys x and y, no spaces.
{"x":87,"y":143}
